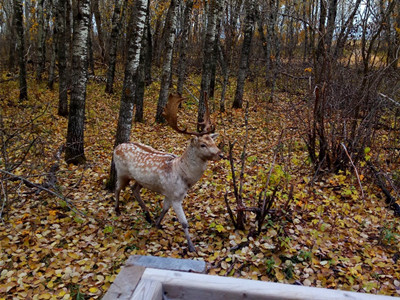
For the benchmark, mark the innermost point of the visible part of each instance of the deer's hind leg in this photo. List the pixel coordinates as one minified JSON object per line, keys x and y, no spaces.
{"x":136,"y":192}
{"x":122,"y":182}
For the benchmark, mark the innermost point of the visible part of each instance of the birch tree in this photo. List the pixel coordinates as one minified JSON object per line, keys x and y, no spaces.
{"x":124,"y":126}
{"x":74,"y":152}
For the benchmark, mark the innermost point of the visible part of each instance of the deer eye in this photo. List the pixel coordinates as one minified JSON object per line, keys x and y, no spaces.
{"x":203,"y":145}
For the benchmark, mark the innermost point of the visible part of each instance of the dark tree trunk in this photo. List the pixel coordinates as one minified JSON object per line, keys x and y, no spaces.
{"x":74,"y":152}
{"x":60,"y":27}
{"x":331,"y":24}
{"x":19,"y":26}
{"x":169,"y":30}
{"x":225,"y":54}
{"x":345,"y":30}
{"x":244,"y":57}
{"x":116,"y":26}
{"x":148,"y":54}
{"x":50,"y":83}
{"x":124,"y":126}
{"x":305,"y":25}
{"x":41,"y":42}
{"x":97,"y":16}
{"x":208,"y":53}
{"x":184,"y":43}
{"x":90,"y":48}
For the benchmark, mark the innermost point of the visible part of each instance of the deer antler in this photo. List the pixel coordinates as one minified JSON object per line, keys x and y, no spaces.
{"x":171,"y":115}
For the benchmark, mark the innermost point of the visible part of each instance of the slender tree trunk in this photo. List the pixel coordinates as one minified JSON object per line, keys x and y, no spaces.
{"x":60,"y":27}
{"x":141,"y":78}
{"x":208,"y":53}
{"x":331,"y":24}
{"x":19,"y":26}
{"x":90,"y":47}
{"x":41,"y":47}
{"x":53,"y":53}
{"x":124,"y":126}
{"x":305,"y":29}
{"x":169,"y":30}
{"x":244,"y":57}
{"x":149,"y":54}
{"x":116,"y":26}
{"x":215,"y":54}
{"x":184,"y":43}
{"x":344,"y":32}
{"x":74,"y":152}
{"x":97,"y":16}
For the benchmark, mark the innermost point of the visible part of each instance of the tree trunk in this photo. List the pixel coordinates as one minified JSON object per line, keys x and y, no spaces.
{"x":244,"y":57}
{"x":344,"y":32}
{"x":116,"y":26}
{"x":169,"y":30}
{"x":139,"y":95}
{"x":97,"y":16}
{"x":19,"y":26}
{"x":60,"y":27}
{"x":41,"y":40}
{"x":184,"y":45}
{"x":331,"y":24}
{"x":124,"y":126}
{"x":74,"y":152}
{"x":208,"y":56}
{"x":50,"y":83}
{"x":149,"y":54}
{"x":90,"y":47}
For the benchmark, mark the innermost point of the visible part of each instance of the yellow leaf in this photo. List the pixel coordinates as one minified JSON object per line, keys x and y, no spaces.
{"x":279,"y":275}
{"x":93,"y":290}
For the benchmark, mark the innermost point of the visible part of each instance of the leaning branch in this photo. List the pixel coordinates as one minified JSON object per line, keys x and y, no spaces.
{"x":40,"y":187}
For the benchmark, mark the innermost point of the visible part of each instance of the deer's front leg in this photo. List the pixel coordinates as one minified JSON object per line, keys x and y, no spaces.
{"x":177,"y":206}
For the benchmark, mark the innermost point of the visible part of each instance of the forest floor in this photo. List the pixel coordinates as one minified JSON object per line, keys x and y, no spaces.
{"x":333,"y":234}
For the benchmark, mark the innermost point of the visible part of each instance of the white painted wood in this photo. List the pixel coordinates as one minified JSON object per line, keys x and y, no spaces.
{"x":125,"y":284}
{"x":191,"y":286}
{"x":148,"y":290}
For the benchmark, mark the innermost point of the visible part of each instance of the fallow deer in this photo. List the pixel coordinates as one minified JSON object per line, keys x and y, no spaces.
{"x":166,"y":173}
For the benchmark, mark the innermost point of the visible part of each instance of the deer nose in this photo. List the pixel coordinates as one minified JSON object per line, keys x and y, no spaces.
{"x":221,"y":155}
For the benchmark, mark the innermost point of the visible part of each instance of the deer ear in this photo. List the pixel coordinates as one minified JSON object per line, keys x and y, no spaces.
{"x":214,"y":136}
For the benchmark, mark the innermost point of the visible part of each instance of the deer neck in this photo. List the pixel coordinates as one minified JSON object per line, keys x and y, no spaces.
{"x":191,"y":167}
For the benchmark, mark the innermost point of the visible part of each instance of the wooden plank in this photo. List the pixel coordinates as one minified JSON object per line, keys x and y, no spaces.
{"x":168,"y":263}
{"x":125,"y":283}
{"x":184,"y":286}
{"x":148,"y":290}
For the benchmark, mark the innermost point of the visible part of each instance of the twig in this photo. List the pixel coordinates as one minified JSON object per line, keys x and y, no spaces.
{"x":191,"y":94}
{"x":390,"y":200}
{"x":355,"y":169}
{"x":229,"y":209}
{"x":243,"y":158}
{"x":31,"y":184}
{"x":390,"y":99}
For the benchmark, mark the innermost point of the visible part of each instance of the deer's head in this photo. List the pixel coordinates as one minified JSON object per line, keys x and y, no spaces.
{"x":203,"y":142}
